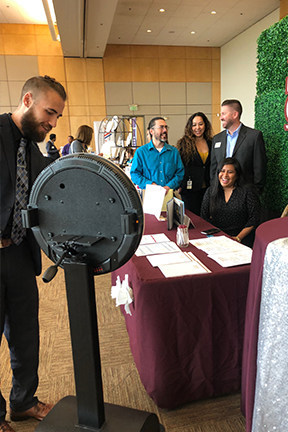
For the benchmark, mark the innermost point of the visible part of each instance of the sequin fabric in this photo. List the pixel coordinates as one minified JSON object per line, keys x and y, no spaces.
{"x":271,"y":391}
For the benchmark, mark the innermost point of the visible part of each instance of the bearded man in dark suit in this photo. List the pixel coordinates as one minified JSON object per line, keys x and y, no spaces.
{"x":41,"y":104}
{"x":239,"y":141}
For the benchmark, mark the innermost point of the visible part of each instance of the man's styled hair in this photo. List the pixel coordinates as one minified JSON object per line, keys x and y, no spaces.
{"x":153,"y":121}
{"x":235,"y":104}
{"x":38,"y":84}
{"x":52,"y":136}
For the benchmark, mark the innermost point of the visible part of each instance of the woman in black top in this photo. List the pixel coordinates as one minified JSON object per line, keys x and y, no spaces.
{"x":194,"y":148}
{"x":228,"y":205}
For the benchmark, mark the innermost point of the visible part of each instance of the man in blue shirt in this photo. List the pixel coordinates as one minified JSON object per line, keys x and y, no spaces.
{"x":157,"y":162}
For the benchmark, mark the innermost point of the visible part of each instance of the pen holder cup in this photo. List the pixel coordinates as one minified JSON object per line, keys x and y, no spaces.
{"x":182,"y":236}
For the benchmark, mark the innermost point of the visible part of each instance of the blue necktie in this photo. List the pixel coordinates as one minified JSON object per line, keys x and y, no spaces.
{"x":21,"y":195}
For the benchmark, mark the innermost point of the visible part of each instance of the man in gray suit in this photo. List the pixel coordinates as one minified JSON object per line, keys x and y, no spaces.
{"x":243,"y":143}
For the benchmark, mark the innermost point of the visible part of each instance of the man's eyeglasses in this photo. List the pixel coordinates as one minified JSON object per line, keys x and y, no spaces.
{"x":162,"y":127}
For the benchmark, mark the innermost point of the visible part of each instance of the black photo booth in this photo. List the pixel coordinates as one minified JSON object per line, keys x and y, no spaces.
{"x":87,"y":217}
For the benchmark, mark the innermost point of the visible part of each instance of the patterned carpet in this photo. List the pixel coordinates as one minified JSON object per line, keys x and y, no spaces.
{"x":121,"y":382}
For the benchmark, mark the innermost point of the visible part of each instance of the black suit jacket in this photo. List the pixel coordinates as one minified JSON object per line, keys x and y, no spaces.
{"x":198,"y":171}
{"x":37,"y":162}
{"x":249,"y":150}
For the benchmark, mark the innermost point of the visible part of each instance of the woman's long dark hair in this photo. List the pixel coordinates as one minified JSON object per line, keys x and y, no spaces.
{"x":216,"y":188}
{"x":187,"y":144}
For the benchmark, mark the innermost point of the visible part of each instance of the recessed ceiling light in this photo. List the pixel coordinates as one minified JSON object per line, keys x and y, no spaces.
{"x":192,"y":32}
{"x":149,"y":31}
{"x":213,"y":12}
{"x":161,"y":10}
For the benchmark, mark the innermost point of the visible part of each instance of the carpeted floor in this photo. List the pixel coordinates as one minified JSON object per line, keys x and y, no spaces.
{"x":121,"y":382}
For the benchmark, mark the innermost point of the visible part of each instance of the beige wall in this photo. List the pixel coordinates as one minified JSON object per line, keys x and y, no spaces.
{"x":165,"y":64}
{"x":27,"y":50}
{"x":239,"y":67}
{"x":283,"y":8}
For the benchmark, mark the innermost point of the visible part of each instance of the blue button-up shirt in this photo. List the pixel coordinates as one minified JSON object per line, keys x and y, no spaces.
{"x":164,"y":168}
{"x":231,"y":141}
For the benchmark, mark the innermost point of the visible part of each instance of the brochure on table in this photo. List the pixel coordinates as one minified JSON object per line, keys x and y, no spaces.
{"x":224,"y":250}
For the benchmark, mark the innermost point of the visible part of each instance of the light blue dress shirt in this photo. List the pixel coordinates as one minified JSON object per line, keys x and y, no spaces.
{"x":231,"y":141}
{"x":164,"y":168}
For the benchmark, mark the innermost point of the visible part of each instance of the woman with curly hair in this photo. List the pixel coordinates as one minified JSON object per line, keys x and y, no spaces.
{"x":194,"y":148}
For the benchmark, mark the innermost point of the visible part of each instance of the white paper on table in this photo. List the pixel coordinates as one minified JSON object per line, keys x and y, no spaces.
{"x":224,"y":250}
{"x":216,"y":244}
{"x":234,"y":258}
{"x":183,"y":269}
{"x":154,"y":238}
{"x":157,"y":248}
{"x":153,"y":199}
{"x":193,"y":257}
{"x":164,"y":259}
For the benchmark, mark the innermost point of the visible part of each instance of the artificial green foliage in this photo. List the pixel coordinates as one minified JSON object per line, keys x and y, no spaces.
{"x":270,"y":119}
{"x":272,"y":57}
{"x":272,"y":70}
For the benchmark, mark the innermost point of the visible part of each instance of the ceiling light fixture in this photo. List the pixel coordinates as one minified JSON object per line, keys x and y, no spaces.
{"x":213,"y":12}
{"x":149,"y":31}
{"x":49,"y":10}
{"x":192,"y":32}
{"x":161,"y":10}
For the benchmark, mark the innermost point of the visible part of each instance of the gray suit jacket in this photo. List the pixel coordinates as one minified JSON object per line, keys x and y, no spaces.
{"x":8,"y":178}
{"x":250,"y":152}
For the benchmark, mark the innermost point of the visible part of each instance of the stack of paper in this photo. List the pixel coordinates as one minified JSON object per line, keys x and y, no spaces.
{"x":156,"y":248}
{"x":154,"y":238}
{"x":224,"y":251}
{"x":165,"y":254}
{"x":183,"y":268}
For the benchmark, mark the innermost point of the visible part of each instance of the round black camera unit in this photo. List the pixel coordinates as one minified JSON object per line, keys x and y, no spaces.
{"x":84,"y":208}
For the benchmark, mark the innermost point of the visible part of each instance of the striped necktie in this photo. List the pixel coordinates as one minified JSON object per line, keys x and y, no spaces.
{"x":21,"y":194}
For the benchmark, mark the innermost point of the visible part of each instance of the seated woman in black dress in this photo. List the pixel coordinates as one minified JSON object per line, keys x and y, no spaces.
{"x":231,"y":206}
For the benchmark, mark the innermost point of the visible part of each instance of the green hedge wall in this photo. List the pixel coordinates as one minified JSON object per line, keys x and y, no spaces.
{"x":272,"y":71}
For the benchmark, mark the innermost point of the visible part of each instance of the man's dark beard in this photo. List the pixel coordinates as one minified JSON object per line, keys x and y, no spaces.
{"x":29,"y":127}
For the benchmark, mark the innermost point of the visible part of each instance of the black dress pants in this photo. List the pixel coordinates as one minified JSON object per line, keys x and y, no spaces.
{"x":19,"y":304}
{"x":193,"y":200}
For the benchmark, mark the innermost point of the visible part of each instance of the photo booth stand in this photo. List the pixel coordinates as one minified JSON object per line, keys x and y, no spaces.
{"x":87,"y":217}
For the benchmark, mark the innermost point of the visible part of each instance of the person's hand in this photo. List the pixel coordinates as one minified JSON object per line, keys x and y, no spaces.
{"x":236,"y":238}
{"x":167,"y":188}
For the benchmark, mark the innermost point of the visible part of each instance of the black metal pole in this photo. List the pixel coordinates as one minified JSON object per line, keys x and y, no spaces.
{"x":80,"y":290}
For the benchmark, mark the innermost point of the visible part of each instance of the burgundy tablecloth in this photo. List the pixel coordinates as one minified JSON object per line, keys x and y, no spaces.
{"x":186,"y":333}
{"x":265,"y":233}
